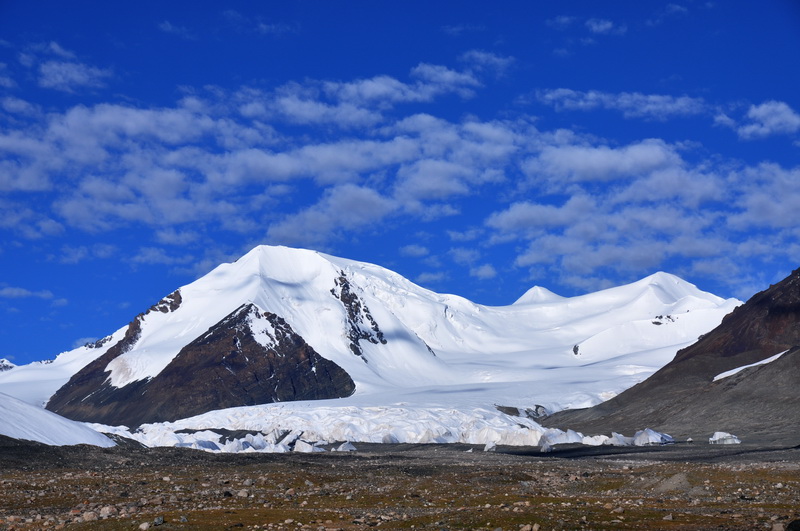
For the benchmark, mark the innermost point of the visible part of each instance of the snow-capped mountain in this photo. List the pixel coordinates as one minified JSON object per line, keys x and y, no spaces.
{"x":6,"y":365}
{"x":743,"y":375}
{"x":283,"y":324}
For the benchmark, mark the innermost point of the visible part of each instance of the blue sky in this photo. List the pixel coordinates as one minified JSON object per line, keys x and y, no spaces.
{"x":475,"y":149}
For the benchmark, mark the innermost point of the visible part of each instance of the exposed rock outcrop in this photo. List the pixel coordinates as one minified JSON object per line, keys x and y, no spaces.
{"x":225,"y":367}
{"x":362,"y":326}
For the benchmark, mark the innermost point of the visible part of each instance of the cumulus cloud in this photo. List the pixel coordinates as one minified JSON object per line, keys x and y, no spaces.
{"x":431,"y":277}
{"x":11,"y":292}
{"x":769,"y":197}
{"x":561,"y":22}
{"x":156,"y":255}
{"x":259,"y":26}
{"x":414,"y":250}
{"x":631,"y":104}
{"x":70,"y":76}
{"x":482,"y":60}
{"x":346,"y":207}
{"x":669,"y":11}
{"x":530,"y":218}
{"x":181,"y":31}
{"x":6,"y":81}
{"x":431,"y":179}
{"x":315,"y":162}
{"x":602,"y":163}
{"x":309,"y":111}
{"x":73,"y":254}
{"x":769,"y":118}
{"x":485,"y":271}
{"x":600,"y":25}
{"x":457,"y":30}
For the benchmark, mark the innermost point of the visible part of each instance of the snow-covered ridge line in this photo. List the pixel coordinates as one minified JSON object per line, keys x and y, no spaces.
{"x":737,"y":370}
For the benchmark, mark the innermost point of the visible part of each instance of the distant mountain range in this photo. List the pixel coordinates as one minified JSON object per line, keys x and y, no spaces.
{"x":282,"y":325}
{"x":701,"y":388}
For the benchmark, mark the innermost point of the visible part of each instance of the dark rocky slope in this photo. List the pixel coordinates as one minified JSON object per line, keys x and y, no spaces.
{"x":682,"y":399}
{"x":225,"y":367}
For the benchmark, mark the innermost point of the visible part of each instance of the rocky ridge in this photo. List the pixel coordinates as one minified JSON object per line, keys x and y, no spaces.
{"x":225,"y":367}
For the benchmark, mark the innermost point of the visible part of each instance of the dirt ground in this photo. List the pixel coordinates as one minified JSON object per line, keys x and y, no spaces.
{"x":681,"y":486}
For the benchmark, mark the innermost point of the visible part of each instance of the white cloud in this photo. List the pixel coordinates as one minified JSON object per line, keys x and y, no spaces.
{"x":346,"y":207}
{"x":69,"y":76}
{"x":532,"y":218}
{"x":602,"y":26}
{"x":309,"y":111}
{"x":691,"y":188}
{"x":6,"y":80}
{"x":631,"y":104}
{"x":56,"y":49}
{"x":10,"y":292}
{"x":603,"y":163}
{"x":155,"y":255}
{"x":482,"y":60}
{"x":442,"y":76}
{"x":431,"y":277}
{"x":561,"y":22}
{"x":275,"y":28}
{"x":458,"y":29}
{"x":18,"y":106}
{"x":71,"y":254}
{"x":180,"y":31}
{"x":431,"y":179}
{"x":258,"y":26}
{"x":724,"y":120}
{"x":172,"y":236}
{"x":769,"y":196}
{"x":315,"y":162}
{"x":383,"y":91}
{"x":769,"y":118}
{"x":466,"y":235}
{"x":414,"y":250}
{"x":464,"y":255}
{"x":485,"y":271}
{"x":671,"y":10}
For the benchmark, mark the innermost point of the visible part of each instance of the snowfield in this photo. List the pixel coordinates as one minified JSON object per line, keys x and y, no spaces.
{"x":446,"y":362}
{"x":21,"y":420}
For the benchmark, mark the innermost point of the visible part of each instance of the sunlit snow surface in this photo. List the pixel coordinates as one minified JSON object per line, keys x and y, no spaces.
{"x":21,"y":420}
{"x":302,"y":427}
{"x":737,"y":370}
{"x":557,"y":352}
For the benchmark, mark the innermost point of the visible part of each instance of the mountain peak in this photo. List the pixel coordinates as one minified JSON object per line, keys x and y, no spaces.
{"x":538,"y":295}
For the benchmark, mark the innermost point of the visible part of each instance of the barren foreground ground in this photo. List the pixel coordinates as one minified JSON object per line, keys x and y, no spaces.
{"x":401,"y":487}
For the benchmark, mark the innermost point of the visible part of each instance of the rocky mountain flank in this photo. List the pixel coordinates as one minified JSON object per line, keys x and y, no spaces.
{"x":225,"y":367}
{"x":682,"y":399}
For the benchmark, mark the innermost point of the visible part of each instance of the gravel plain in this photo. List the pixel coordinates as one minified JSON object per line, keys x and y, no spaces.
{"x":680,"y":486}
